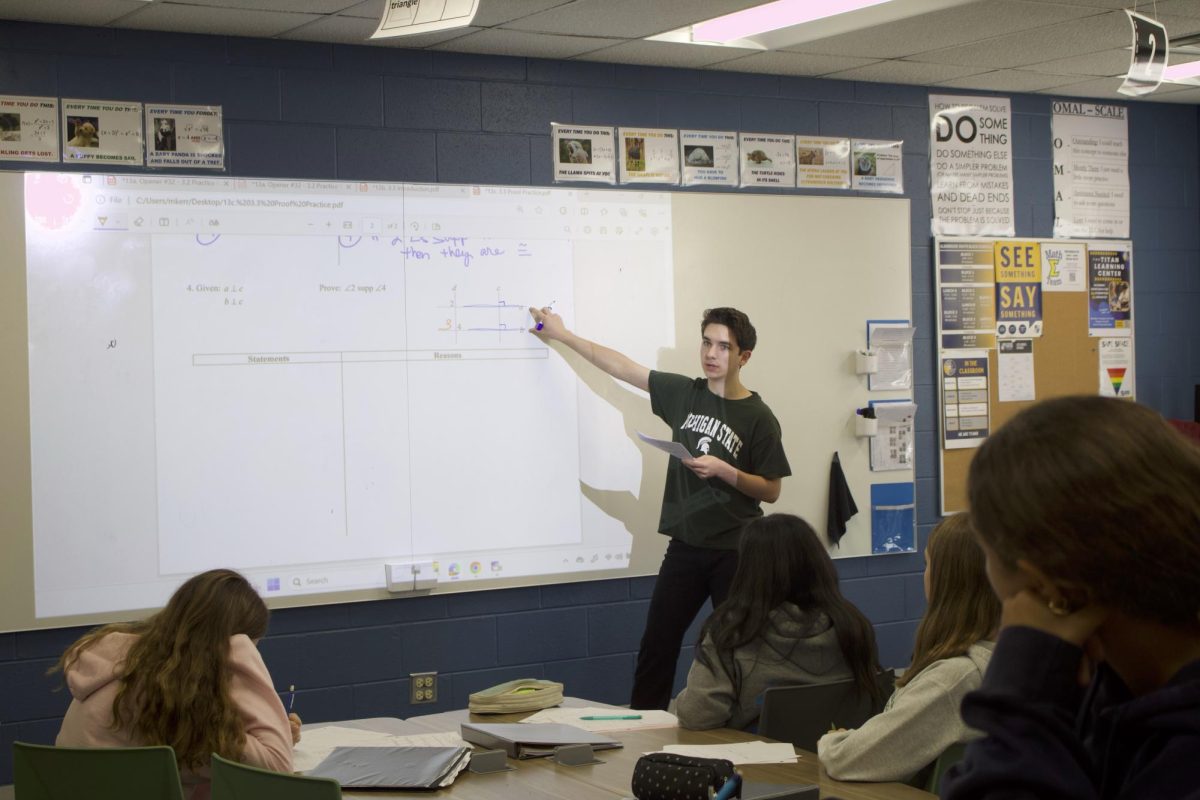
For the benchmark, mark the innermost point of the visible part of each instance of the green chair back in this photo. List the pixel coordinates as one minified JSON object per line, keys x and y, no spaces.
{"x":949,"y":757}
{"x":42,"y":772}
{"x":234,"y":781}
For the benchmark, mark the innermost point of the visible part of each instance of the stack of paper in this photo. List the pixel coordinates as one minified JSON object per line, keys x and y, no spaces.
{"x":739,"y":753}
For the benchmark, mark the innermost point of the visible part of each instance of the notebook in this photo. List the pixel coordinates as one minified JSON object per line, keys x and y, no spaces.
{"x":531,"y":741}
{"x":393,"y":767}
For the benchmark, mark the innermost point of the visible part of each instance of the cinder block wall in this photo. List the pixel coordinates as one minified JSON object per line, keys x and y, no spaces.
{"x":305,"y":110}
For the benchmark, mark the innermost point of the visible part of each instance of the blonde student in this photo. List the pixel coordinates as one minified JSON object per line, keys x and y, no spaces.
{"x":953,"y":646}
{"x":785,"y":622}
{"x":189,"y":676}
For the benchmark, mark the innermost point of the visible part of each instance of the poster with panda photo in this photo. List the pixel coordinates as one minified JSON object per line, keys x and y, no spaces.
{"x":184,"y":136}
{"x":648,"y":155}
{"x":583,"y":153}
{"x":102,"y":132}
{"x":767,"y":159}
{"x":709,"y":158}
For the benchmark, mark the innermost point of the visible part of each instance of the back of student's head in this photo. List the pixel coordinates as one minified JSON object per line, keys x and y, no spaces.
{"x":743,"y":333}
{"x":780,"y":560}
{"x":175,"y":677}
{"x":961,"y":608}
{"x":1103,"y":496}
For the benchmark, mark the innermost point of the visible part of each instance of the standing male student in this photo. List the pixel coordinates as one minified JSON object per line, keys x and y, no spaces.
{"x":738,"y":463}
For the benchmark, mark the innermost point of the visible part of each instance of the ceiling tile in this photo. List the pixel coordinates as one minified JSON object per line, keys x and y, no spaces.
{"x":203,"y":19}
{"x":343,"y":30}
{"x":1105,"y":64}
{"x":292,"y":6}
{"x":501,"y":42}
{"x":1107,"y":88}
{"x":371,"y":9}
{"x":69,"y":12}
{"x":1177,"y":8}
{"x":630,"y":19}
{"x":497,"y":12}
{"x":664,"y":54}
{"x":780,"y":63}
{"x":912,"y":72}
{"x":1010,"y":80}
{"x":1093,"y":34}
{"x":945,"y":28}
{"x":420,"y":40}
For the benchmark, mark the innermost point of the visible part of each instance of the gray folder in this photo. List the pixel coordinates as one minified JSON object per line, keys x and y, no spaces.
{"x":390,"y":767}
{"x":532,"y":740}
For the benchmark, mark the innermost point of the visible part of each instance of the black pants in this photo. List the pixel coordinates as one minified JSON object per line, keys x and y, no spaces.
{"x":688,"y":576}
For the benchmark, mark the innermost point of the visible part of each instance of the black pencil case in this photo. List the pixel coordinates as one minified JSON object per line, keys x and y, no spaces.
{"x":666,"y":776}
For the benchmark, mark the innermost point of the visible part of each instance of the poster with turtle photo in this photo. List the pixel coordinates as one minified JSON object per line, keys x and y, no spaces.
{"x":767,"y":159}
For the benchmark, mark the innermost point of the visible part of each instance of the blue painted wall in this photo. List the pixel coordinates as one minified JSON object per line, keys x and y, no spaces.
{"x":329,"y":111}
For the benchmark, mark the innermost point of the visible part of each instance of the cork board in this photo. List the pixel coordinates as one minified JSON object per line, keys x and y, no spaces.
{"x":1066,"y":361}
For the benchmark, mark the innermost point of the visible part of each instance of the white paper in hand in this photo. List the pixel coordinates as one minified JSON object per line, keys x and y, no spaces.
{"x":675,"y":449}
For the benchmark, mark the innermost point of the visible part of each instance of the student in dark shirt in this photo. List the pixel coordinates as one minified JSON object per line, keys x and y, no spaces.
{"x":738,"y":464}
{"x":1088,"y":510}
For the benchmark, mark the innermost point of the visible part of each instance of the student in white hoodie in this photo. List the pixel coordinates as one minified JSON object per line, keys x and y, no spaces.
{"x":954,"y":643}
{"x":785,"y":622}
{"x":190,"y":677}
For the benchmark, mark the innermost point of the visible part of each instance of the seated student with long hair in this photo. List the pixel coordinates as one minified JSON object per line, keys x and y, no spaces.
{"x":1088,"y":510}
{"x":189,"y":676}
{"x":784,"y":622}
{"x":953,"y":646}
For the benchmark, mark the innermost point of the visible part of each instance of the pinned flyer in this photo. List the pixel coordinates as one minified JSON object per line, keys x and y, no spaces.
{"x":649,"y":155}
{"x":965,"y":399}
{"x":28,"y":128}
{"x":1018,"y":289}
{"x":767,"y":160}
{"x":877,"y":166}
{"x":185,"y":136}
{"x":102,"y":132}
{"x":1116,"y":367}
{"x":709,"y":158}
{"x":1110,"y":293}
{"x":583,"y":154}
{"x":822,"y":162}
{"x":1064,"y":267}
{"x":410,"y":17}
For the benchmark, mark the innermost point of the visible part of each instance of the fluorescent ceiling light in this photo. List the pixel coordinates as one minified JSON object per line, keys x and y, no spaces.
{"x":773,"y":16}
{"x":1182,"y":72}
{"x":786,"y":23}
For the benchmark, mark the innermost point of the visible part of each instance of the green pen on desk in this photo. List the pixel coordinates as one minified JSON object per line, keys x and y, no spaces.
{"x":613,"y":716}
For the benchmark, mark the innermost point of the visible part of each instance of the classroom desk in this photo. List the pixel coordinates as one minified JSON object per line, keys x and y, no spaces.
{"x":542,"y":779}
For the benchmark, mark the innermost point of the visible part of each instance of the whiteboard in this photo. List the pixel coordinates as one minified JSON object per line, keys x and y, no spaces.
{"x":304,"y":380}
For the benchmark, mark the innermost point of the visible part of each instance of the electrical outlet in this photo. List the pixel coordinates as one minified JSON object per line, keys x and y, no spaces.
{"x":422,"y":687}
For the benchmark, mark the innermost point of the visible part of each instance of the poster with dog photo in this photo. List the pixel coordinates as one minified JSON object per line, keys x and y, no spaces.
{"x":583,"y":153}
{"x":648,"y":155}
{"x":184,"y":136}
{"x":822,"y":162}
{"x":102,"y":132}
{"x":708,"y":158}
{"x":767,"y":159}
{"x":877,"y":166}
{"x":28,"y":128}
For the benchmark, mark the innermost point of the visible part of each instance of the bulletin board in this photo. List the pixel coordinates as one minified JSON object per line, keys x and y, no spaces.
{"x":1066,"y":358}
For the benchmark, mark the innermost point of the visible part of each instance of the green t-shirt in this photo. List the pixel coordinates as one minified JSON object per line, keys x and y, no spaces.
{"x":711,"y":513}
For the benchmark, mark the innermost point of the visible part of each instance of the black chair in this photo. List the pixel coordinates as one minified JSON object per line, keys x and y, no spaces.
{"x":803,"y":714}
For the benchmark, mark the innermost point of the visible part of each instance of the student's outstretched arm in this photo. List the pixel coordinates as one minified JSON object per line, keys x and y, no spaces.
{"x":618,"y":365}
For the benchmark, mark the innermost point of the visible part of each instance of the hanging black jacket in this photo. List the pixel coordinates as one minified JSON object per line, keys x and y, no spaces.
{"x":1049,"y":739}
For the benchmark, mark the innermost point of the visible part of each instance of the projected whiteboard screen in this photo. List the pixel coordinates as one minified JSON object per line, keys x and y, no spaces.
{"x":307,"y":380}
{"x":304,"y":380}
